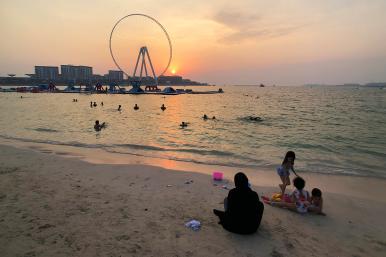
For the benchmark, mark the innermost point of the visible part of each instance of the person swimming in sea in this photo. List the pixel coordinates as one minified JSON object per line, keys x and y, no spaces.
{"x":163,"y":108}
{"x":136,"y":107}
{"x":205,"y":117}
{"x":183,"y":124}
{"x":119,"y":107}
{"x":255,"y":118}
{"x":95,"y":104}
{"x":98,"y":126}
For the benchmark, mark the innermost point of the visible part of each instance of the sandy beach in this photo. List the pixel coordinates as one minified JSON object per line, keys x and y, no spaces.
{"x":51,"y":205}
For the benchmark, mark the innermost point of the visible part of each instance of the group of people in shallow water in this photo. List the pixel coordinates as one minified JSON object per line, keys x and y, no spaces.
{"x":243,"y":209}
{"x":205,"y":117}
{"x":94,"y":104}
{"x":136,"y":107}
{"x":184,"y":124}
{"x":98,"y":126}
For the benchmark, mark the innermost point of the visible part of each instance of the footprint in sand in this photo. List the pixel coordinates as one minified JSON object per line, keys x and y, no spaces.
{"x":30,"y":254}
{"x":122,"y":237}
{"x":275,"y":253}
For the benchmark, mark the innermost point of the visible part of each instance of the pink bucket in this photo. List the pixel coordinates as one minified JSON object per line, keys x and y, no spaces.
{"x":217,"y":175}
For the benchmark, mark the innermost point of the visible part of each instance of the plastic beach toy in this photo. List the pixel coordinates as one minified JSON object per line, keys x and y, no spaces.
{"x":217,"y":175}
{"x":277,"y":198}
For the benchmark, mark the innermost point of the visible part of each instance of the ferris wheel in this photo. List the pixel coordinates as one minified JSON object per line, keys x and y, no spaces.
{"x":143,"y":59}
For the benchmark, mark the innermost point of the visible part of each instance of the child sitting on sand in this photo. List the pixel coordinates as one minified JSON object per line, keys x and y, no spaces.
{"x":299,"y":196}
{"x":300,"y":200}
{"x":284,"y":170}
{"x":316,"y":205}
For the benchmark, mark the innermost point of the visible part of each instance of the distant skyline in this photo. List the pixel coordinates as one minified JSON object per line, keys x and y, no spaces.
{"x":220,"y":42}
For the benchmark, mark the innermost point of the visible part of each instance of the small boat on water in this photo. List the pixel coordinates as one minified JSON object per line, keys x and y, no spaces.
{"x":207,"y":92}
{"x":169,"y":91}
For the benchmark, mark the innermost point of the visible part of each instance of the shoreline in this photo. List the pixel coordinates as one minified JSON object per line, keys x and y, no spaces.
{"x":55,"y":206}
{"x":267,"y":177}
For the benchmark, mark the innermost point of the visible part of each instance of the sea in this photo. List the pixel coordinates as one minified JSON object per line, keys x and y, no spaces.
{"x":337,"y":130}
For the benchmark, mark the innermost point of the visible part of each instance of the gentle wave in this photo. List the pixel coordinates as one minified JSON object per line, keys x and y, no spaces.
{"x":187,"y":150}
{"x":45,"y":130}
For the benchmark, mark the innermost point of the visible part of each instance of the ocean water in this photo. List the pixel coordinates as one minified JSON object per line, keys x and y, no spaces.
{"x":334,"y":130}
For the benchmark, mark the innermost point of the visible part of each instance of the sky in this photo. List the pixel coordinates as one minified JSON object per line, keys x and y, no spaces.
{"x":281,"y":42}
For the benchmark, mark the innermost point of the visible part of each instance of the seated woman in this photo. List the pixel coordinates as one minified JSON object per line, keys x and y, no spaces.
{"x":243,"y":210}
{"x":316,"y":205}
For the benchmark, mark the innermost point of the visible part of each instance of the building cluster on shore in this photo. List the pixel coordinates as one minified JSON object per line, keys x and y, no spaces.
{"x":71,"y":74}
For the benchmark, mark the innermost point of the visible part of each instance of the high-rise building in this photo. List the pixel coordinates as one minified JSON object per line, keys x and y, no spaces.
{"x":115,"y":75}
{"x":71,"y":72}
{"x":47,"y":72}
{"x":83,"y":72}
{"x":174,"y":80}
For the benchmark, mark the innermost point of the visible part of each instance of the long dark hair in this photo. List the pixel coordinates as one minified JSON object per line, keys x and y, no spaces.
{"x":289,"y":154}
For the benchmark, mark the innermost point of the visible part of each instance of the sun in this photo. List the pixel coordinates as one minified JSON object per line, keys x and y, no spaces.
{"x":173,"y":71}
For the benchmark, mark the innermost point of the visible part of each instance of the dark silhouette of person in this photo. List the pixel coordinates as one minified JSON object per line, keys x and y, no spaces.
{"x":205,"y":117}
{"x":243,"y":209}
{"x":184,"y":124}
{"x":119,"y":107}
{"x":136,"y":107}
{"x":95,"y":104}
{"x":102,"y":103}
{"x":163,"y":108}
{"x":98,"y":126}
{"x":91,"y":104}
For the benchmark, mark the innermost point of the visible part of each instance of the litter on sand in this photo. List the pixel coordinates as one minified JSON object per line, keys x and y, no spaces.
{"x":194,"y":225}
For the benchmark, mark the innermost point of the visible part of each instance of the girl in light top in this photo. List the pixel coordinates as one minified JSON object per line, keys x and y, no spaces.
{"x":299,"y":196}
{"x":284,"y":171}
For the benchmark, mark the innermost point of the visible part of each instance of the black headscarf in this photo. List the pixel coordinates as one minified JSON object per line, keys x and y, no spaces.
{"x":241,"y":180}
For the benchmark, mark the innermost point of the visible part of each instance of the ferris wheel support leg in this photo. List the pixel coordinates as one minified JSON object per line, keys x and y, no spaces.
{"x":136,"y":65}
{"x":151,"y":66}
{"x":144,"y":65}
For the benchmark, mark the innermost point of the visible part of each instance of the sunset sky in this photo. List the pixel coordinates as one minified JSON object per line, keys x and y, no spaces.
{"x":282,"y":42}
